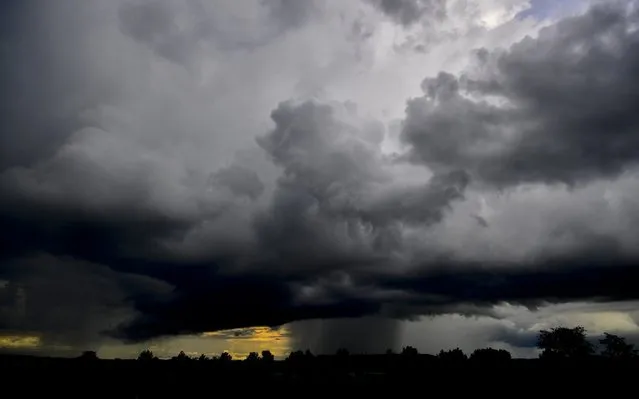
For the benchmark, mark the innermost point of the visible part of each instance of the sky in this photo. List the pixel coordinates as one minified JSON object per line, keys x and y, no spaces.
{"x":214,"y":176}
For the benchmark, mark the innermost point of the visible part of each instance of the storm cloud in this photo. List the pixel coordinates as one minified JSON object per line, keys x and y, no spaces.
{"x":411,"y":11}
{"x":560,"y":108}
{"x":172,"y":174}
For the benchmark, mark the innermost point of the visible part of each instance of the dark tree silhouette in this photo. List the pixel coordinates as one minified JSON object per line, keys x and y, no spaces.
{"x":342,"y":352}
{"x":146,"y":355}
{"x":252,"y":357}
{"x":295,"y":356}
{"x":182,"y":357}
{"x":490,"y":355}
{"x":409,"y":351}
{"x":225,"y":357}
{"x":89,"y":355}
{"x":298,"y":357}
{"x":616,"y":347}
{"x":453,"y":355}
{"x":564,"y":343}
{"x":202,"y":357}
{"x":267,"y":357}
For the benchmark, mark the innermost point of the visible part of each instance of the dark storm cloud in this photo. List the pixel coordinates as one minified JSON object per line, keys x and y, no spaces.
{"x":338,"y":167}
{"x":408,"y":12}
{"x":210,"y":303}
{"x":317,"y":228}
{"x":240,"y":180}
{"x":454,"y":288}
{"x":564,"y":106}
{"x":326,"y":209}
{"x":599,"y":277}
{"x":58,"y":219}
{"x":43,"y":83}
{"x":67,"y":301}
{"x":333,"y":232}
{"x":515,"y":338}
{"x":361,"y":335}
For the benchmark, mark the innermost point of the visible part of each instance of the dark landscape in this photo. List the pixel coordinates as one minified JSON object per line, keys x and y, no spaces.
{"x":568,"y":362}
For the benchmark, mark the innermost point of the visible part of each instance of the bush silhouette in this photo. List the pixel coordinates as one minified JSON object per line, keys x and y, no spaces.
{"x":453,"y":355}
{"x":409,"y":351}
{"x":490,"y":355}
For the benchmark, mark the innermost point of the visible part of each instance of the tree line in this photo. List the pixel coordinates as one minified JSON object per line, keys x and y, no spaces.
{"x":556,"y":343}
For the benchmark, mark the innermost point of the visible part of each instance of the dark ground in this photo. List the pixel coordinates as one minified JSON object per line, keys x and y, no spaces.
{"x":423,"y":375}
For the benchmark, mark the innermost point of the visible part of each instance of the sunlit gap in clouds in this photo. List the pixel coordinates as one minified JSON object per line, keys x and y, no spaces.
{"x":19,"y":341}
{"x":242,"y":341}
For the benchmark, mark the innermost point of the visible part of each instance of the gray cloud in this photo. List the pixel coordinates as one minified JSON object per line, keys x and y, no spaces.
{"x":292,"y":13}
{"x":240,"y":180}
{"x":154,"y":23}
{"x":361,"y":335}
{"x":408,"y":12}
{"x":72,"y":302}
{"x":175,"y":30}
{"x":45,"y":81}
{"x":338,"y":197}
{"x":556,"y":109}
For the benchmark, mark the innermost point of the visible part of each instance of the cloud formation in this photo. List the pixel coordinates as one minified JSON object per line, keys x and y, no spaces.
{"x":411,"y":11}
{"x":185,"y":178}
{"x":537,"y":112}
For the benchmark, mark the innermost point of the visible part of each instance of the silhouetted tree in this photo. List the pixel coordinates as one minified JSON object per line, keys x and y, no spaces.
{"x":342,"y":352}
{"x":295,"y":356}
{"x":182,"y":357}
{"x":453,"y":355}
{"x":409,"y":351}
{"x":267,"y":357}
{"x":225,"y":357}
{"x":299,"y":361}
{"x":616,"y":347}
{"x":202,"y":358}
{"x":252,"y":357}
{"x":564,"y":343}
{"x":146,"y":355}
{"x":389,"y":352}
{"x":490,"y":355}
{"x":89,"y":355}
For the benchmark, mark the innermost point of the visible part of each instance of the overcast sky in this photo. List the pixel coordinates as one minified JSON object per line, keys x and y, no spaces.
{"x":183,"y":174}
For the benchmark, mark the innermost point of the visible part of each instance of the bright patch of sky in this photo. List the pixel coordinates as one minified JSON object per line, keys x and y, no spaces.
{"x":553,"y":9}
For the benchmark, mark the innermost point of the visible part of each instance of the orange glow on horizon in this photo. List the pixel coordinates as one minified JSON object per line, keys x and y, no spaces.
{"x":19,"y":341}
{"x":240,"y":342}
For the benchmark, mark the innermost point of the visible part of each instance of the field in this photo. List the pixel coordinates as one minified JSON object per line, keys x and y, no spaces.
{"x":25,"y":376}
